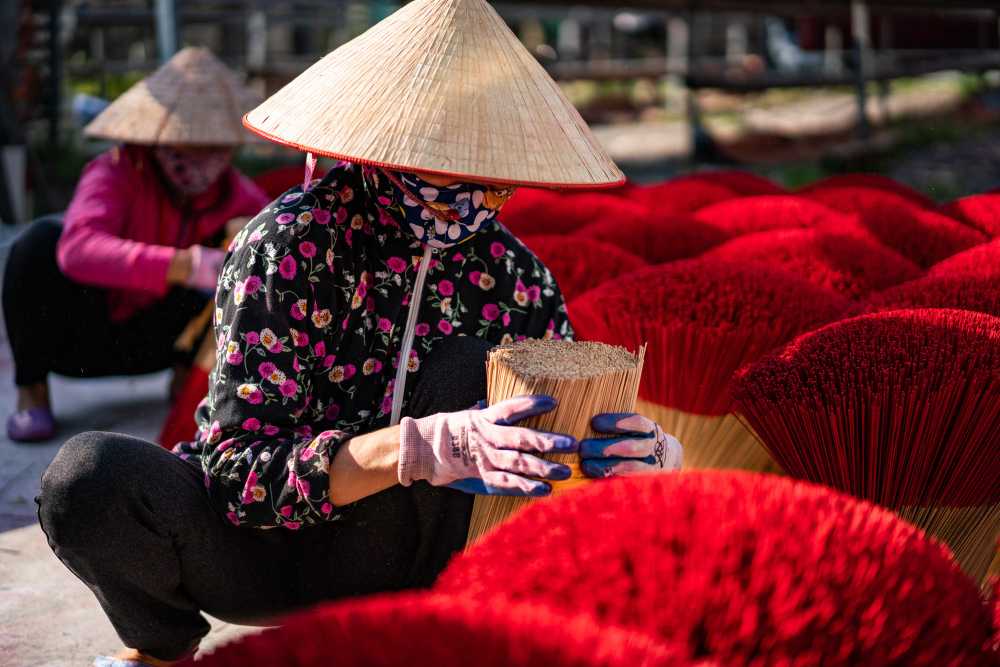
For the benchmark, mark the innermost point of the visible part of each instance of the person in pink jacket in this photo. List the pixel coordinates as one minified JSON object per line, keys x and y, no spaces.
{"x":135,"y":258}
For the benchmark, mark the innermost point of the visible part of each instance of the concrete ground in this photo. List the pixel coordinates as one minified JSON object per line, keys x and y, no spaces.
{"x":48,"y":617}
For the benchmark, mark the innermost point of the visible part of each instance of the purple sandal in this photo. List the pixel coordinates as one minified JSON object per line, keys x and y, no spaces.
{"x":33,"y":425}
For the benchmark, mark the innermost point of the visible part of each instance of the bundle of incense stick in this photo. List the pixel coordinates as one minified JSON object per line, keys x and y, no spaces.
{"x":703,"y":320}
{"x":922,"y":235}
{"x":659,"y":238}
{"x":585,"y":378}
{"x":572,"y":264}
{"x":871,"y":181}
{"x":763,"y":213}
{"x":768,"y":571}
{"x":901,"y":408}
{"x":965,"y":291}
{"x":848,"y":261}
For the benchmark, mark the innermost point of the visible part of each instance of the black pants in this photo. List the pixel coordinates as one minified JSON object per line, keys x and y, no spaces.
{"x":59,"y":326}
{"x":135,"y":524}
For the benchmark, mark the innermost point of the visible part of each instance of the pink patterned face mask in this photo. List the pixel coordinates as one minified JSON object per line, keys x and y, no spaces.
{"x":192,"y":172}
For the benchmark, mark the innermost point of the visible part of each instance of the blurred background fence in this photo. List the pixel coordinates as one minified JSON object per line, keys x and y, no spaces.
{"x":795,"y":90}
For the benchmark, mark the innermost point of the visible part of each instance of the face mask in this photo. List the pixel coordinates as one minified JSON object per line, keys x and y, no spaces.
{"x":445,"y":216}
{"x":192,"y":173}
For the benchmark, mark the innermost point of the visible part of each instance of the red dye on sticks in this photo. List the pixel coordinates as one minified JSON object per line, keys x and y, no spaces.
{"x":873,"y":181}
{"x":979,"y":211}
{"x":847,"y":263}
{"x":703,"y":319}
{"x":747,"y":215}
{"x":434,"y":630}
{"x":681,"y":195}
{"x":580,"y":264}
{"x":658,"y":241}
{"x":964,"y":292}
{"x":550,"y":212}
{"x":922,"y":235}
{"x":981,"y":261}
{"x":743,"y":569}
{"x":901,"y":408}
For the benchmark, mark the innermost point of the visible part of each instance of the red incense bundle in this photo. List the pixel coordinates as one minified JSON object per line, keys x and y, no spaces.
{"x":982,"y":261}
{"x":443,"y":631}
{"x":550,"y":212}
{"x":920,"y":234}
{"x":844,"y":262}
{"x":580,"y":264}
{"x":979,"y":211}
{"x":747,"y":215}
{"x":681,"y":195}
{"x":743,"y":183}
{"x":964,"y":292}
{"x":900,"y":408}
{"x":657,"y":241}
{"x":703,"y":320}
{"x":874,"y":181}
{"x":743,"y":569}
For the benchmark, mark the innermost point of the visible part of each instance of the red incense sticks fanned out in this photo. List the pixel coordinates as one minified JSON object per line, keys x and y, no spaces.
{"x":549,"y":212}
{"x":703,"y":319}
{"x":744,"y":569}
{"x":580,"y":264}
{"x":981,"y":261}
{"x":658,"y":241}
{"x":850,"y":264}
{"x":964,"y":292}
{"x":979,"y":211}
{"x":901,"y":408}
{"x":742,"y":183}
{"x":920,"y":234}
{"x":747,"y":215}
{"x":874,"y":181}
{"x":681,"y":195}
{"x":443,"y":631}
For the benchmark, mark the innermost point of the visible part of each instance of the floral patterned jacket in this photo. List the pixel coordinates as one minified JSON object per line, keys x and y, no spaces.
{"x":310,"y":317}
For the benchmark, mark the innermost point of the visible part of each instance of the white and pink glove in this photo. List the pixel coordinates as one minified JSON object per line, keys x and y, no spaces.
{"x":640,"y":447}
{"x":479,"y":451}
{"x":206,"y":263}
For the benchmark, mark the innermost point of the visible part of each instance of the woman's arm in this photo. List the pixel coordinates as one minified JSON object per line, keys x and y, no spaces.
{"x":364,"y":465}
{"x":91,"y":250}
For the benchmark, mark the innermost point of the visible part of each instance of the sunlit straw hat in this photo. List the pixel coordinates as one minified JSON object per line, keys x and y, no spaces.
{"x":441,"y":86}
{"x":193,"y":100}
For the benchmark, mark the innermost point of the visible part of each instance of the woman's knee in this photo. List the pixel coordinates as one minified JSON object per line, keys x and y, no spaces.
{"x":36,"y":244}
{"x":85,"y":481}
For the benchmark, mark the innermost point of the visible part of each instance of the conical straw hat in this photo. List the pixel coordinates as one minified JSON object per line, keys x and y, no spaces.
{"x":441,"y":86}
{"x":193,"y":99}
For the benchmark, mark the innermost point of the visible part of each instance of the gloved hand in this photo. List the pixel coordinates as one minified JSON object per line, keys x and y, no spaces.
{"x":206,"y":263}
{"x":641,"y":448}
{"x":478,"y":451}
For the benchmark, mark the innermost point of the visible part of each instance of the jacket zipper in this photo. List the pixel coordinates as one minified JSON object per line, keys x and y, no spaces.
{"x":399,"y":388}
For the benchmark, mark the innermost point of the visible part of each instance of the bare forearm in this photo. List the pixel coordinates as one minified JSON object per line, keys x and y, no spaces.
{"x":364,"y":465}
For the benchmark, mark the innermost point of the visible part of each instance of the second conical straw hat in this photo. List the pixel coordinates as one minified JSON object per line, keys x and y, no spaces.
{"x":193,"y":99}
{"x":441,"y":86}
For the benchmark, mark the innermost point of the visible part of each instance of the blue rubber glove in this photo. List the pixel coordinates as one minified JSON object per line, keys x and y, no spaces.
{"x":641,"y":447}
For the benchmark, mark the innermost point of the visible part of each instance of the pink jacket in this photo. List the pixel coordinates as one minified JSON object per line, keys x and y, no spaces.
{"x":122,"y":228}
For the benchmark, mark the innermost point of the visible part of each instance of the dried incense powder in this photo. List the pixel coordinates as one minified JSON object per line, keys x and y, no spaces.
{"x":585,"y":378}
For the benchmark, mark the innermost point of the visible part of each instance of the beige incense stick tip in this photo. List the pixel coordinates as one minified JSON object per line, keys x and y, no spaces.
{"x":563,"y":360}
